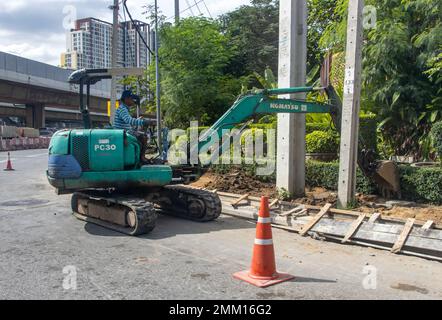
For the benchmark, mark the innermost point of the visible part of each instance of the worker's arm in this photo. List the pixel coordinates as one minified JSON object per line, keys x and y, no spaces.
{"x":126,"y":118}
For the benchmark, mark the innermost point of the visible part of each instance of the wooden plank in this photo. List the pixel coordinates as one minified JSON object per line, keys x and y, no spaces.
{"x":294,"y":210}
{"x":301,"y":213}
{"x":354,"y":226}
{"x":428,"y":225}
{"x":274,"y":202}
{"x":403,"y":236}
{"x":425,"y":243}
{"x":375,"y":217}
{"x":315,"y":220}
{"x":332,"y":210}
{"x":237,"y":201}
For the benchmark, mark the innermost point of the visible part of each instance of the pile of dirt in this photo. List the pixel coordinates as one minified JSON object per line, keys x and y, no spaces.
{"x":238,"y":182}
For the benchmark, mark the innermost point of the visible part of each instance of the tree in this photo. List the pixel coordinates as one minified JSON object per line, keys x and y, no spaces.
{"x":194,"y":58}
{"x":401,"y":81}
{"x":321,"y":13}
{"x":253,"y":29}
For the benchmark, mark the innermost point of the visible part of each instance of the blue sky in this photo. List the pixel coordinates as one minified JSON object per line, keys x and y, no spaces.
{"x":34,"y":28}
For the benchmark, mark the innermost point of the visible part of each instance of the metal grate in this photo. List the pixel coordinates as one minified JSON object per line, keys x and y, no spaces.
{"x":80,"y":150}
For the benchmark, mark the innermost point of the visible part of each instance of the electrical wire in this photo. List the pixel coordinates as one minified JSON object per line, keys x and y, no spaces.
{"x":198,"y":7}
{"x":208,"y":11}
{"x":137,"y":28}
{"x":187,"y":9}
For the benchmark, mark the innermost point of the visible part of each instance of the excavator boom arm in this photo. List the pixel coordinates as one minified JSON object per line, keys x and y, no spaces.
{"x":265,"y":102}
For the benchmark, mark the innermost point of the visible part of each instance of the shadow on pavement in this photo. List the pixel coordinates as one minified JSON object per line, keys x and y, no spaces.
{"x":307,"y":280}
{"x":168,"y":227}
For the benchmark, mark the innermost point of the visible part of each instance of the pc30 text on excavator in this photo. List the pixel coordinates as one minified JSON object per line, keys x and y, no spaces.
{"x":112,"y":188}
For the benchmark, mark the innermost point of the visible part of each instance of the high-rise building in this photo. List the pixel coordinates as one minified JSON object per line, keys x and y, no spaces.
{"x":89,"y":45}
{"x":135,"y":53}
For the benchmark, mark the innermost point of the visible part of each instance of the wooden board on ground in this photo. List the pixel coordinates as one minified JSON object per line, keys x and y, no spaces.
{"x":355,"y":225}
{"x":315,"y":220}
{"x":403,"y":236}
{"x":383,"y":234}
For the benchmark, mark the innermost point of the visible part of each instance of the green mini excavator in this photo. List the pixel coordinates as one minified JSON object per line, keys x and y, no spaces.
{"x":111,"y":188}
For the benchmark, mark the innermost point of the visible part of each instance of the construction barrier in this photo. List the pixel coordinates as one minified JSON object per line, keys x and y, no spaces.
{"x":24,"y":143}
{"x":8,"y":132}
{"x":28,"y":132}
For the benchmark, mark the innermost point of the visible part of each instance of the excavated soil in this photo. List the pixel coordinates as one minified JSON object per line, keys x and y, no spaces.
{"x":238,"y":182}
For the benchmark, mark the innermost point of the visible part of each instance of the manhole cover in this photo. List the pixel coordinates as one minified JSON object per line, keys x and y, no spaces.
{"x":29,"y":202}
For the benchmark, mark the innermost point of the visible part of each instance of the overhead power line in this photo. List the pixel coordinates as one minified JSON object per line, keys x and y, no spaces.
{"x":189,"y":8}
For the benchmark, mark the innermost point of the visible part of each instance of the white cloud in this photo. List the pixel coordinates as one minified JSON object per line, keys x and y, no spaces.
{"x":40,"y":36}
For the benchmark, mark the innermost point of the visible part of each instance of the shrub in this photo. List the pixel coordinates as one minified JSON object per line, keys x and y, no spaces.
{"x":421,"y":184}
{"x":322,"y":142}
{"x":368,"y":131}
{"x":311,"y":127}
{"x":436,"y":134}
{"x":417,"y":184}
{"x":326,"y":175}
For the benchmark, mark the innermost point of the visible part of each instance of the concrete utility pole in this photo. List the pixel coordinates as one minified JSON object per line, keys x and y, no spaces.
{"x":177,"y":11}
{"x":115,"y":40}
{"x":158,"y":89}
{"x":351,"y":105}
{"x":292,"y":73}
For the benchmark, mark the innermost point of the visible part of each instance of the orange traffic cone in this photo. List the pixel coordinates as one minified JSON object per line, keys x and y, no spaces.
{"x":9,"y":164}
{"x":263,"y":270}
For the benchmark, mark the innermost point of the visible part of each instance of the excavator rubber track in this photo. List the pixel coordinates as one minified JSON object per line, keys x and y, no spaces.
{"x":190,"y":203}
{"x":128,"y":215}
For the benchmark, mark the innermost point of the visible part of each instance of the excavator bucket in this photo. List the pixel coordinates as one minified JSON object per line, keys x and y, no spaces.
{"x":387,"y":178}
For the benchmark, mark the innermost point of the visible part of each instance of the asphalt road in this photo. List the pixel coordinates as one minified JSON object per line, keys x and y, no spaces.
{"x":45,"y":253}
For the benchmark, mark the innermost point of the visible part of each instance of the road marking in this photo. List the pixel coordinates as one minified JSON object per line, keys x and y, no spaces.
{"x":37,"y":155}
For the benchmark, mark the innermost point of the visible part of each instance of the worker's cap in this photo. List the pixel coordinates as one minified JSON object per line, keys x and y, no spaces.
{"x":128,"y":94}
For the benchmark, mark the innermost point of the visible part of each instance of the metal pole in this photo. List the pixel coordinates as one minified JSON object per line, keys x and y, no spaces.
{"x":351,"y":105}
{"x":177,"y":11}
{"x":292,"y":73}
{"x":158,"y":89}
{"x":115,"y":29}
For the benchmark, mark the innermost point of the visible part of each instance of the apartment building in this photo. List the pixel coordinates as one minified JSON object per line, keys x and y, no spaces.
{"x":89,"y":45}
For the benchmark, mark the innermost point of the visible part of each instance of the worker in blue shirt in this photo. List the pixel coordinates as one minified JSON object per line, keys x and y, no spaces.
{"x":124,"y":121}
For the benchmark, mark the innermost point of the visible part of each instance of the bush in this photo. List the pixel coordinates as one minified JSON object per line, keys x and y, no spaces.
{"x":436,"y":134}
{"x":421,"y":184}
{"x":322,"y":142}
{"x":326,"y":175}
{"x":417,"y":184}
{"x":311,"y":127}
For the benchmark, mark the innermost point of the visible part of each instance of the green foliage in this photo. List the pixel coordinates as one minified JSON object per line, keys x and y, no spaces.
{"x":368,"y":131}
{"x":284,"y":195}
{"x":322,"y":142}
{"x":253,"y":29}
{"x":436,"y":133}
{"x":326,"y":175}
{"x":310,"y":127}
{"x":194,"y":56}
{"x":421,"y":184}
{"x":417,"y":184}
{"x":321,"y":13}
{"x":402,"y":75}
